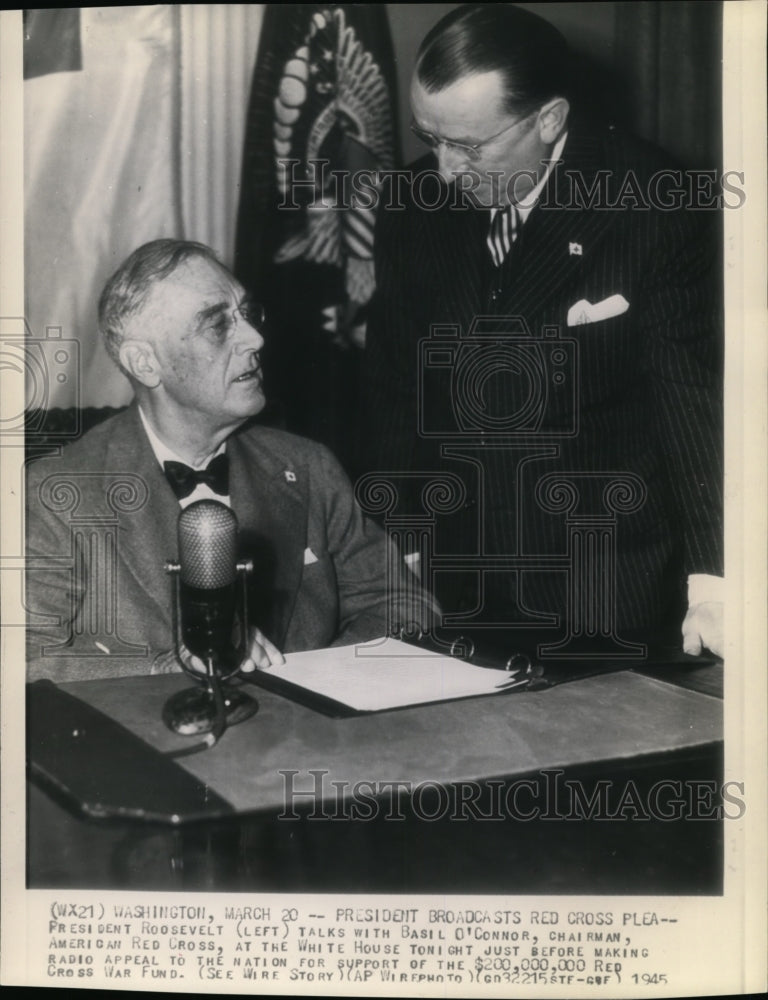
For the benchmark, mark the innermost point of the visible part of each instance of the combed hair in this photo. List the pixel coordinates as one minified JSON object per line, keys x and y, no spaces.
{"x":532,"y":55}
{"x":126,"y":291}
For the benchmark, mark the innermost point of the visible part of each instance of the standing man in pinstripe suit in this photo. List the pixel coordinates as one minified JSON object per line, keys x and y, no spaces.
{"x":550,"y":228}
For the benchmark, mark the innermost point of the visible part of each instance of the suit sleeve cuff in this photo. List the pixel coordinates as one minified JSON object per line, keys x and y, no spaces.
{"x":703,"y":587}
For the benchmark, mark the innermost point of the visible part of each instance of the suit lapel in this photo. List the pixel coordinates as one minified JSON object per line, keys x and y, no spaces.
{"x":553,"y":247}
{"x":270,"y":500}
{"x":559,"y":238}
{"x":147,"y":537}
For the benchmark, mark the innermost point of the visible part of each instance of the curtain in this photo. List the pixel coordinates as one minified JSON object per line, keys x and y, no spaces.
{"x":99,"y":180}
{"x":218,"y":51}
{"x":671,"y":54}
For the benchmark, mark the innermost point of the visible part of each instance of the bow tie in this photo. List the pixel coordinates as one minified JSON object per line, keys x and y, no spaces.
{"x":184,"y":480}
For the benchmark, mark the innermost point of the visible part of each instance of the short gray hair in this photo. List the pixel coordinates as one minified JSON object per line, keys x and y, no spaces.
{"x":127,"y":289}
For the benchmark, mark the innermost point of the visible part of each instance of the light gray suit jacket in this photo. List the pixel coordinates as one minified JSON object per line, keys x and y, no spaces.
{"x":102,"y":521}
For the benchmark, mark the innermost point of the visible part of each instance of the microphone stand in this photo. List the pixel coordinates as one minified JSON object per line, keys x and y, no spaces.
{"x":210,"y":709}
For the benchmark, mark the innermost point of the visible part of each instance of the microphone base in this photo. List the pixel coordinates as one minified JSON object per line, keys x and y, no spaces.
{"x":192,"y":712}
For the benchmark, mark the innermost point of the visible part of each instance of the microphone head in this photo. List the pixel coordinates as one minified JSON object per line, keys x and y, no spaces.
{"x":207,"y":545}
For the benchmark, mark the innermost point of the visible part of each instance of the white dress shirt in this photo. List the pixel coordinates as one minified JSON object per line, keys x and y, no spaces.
{"x":526,"y":205}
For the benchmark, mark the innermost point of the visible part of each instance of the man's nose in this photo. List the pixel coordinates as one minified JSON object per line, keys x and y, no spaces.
{"x":249,"y":337}
{"x":450,"y":162}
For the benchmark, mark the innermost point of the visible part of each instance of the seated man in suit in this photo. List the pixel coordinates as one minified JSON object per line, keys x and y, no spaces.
{"x":545,"y":337}
{"x":102,"y":516}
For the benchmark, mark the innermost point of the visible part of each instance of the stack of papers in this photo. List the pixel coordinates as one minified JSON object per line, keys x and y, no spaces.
{"x":388,"y":674}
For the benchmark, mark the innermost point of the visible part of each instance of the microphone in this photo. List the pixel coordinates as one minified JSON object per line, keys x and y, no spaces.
{"x":206,"y":607}
{"x":207,"y":533}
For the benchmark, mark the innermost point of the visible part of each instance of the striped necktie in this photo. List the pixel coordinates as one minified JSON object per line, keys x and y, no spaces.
{"x":503,"y":232}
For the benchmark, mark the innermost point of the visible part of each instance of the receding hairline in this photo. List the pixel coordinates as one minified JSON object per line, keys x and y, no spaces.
{"x":499,"y":97}
{"x":460,"y":80}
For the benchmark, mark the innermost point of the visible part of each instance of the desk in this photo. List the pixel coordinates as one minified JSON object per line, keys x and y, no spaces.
{"x":243,"y":835}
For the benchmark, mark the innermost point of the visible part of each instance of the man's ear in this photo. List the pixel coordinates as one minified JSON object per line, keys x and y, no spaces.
{"x":139,"y":360}
{"x":552,"y":119}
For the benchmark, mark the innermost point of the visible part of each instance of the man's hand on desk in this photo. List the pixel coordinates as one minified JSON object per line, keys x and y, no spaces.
{"x":261,"y":655}
{"x":703,"y":627}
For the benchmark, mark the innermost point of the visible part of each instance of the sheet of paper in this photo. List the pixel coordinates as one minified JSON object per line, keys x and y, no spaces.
{"x":390,"y":674}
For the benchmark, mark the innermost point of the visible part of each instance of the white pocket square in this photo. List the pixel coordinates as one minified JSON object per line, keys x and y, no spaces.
{"x":592,"y":312}
{"x":309,"y":557}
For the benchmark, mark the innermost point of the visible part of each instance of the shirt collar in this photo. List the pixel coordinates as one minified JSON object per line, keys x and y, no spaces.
{"x":165,"y":454}
{"x":526,"y":205}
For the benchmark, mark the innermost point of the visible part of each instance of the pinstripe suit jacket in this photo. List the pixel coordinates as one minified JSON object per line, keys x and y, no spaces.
{"x":101,"y":522}
{"x":639,"y":393}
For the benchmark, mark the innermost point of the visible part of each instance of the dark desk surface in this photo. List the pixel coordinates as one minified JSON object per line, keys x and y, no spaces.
{"x":610,"y":717}
{"x":617,"y":723}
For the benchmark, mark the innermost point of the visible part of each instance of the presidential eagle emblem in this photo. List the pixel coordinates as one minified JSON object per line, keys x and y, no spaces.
{"x":332,"y":108}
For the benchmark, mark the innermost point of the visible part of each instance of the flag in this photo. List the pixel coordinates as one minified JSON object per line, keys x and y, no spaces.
{"x":52,"y":41}
{"x":321,"y":116}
